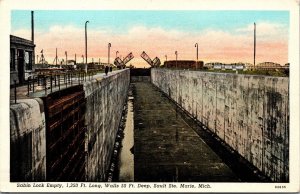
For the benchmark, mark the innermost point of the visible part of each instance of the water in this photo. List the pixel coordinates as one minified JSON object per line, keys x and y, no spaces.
{"x":126,"y":159}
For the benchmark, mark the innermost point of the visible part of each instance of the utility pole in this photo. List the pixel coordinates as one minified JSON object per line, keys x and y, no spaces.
{"x":176,"y":58}
{"x":32,"y":36}
{"x":196,"y":45}
{"x":32,"y":27}
{"x":86,"y":47}
{"x":254,"y":42}
{"x":42,"y":57}
{"x":109,"y":45}
{"x":166,"y":60}
{"x":56,"y":56}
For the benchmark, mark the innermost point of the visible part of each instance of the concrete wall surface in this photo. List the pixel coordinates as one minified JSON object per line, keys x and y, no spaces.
{"x":250,"y":113}
{"x":140,"y":79}
{"x":105,"y":98}
{"x":27,"y":136}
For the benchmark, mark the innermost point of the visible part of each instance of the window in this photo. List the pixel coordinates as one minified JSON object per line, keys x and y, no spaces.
{"x":28,"y":60}
{"x":12,"y":60}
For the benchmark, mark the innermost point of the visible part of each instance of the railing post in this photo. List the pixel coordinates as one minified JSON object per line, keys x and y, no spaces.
{"x":45,"y":84}
{"x":51,"y":83}
{"x":38,"y":80}
{"x":78,"y":77}
{"x":28,"y":86}
{"x":15,"y":86}
{"x":59,"y":82}
{"x":33,"y":85}
{"x":55,"y":79}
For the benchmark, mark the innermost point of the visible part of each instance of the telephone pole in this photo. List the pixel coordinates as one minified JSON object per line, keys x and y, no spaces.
{"x":85,"y":47}
{"x":254,"y":42}
{"x":56,"y":56}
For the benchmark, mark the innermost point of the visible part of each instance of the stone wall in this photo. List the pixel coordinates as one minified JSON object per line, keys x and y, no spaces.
{"x":250,"y":113}
{"x":27,"y":141}
{"x":105,"y":98}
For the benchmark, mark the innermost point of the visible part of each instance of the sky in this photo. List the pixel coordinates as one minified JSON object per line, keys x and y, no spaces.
{"x":222,"y":36}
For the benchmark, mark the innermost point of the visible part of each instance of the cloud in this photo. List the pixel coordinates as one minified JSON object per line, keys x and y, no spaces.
{"x":266,"y":30}
{"x":214,"y":45}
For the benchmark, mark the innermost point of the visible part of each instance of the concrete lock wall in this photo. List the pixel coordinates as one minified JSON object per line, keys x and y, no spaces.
{"x":250,"y":113}
{"x":27,"y":141}
{"x":105,"y":99}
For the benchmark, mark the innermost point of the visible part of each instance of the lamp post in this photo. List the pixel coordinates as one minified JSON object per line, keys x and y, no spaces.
{"x":86,"y":47}
{"x":109,"y":45}
{"x":117,"y":53}
{"x":176,"y":53}
{"x":196,"y":45}
{"x":66,"y":57}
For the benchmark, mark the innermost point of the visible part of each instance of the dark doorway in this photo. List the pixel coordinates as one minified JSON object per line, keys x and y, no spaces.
{"x":21,"y":65}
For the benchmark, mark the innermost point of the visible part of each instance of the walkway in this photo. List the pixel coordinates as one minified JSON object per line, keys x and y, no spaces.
{"x":39,"y":90}
{"x":166,"y":148}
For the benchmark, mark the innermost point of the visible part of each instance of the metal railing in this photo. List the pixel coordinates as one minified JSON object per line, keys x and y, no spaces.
{"x":51,"y":81}
{"x":47,"y":82}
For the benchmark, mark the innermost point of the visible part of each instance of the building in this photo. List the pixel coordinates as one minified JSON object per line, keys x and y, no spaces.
{"x":269,"y":66}
{"x":21,"y":59}
{"x":224,"y":66}
{"x":249,"y":66}
{"x":184,"y":64}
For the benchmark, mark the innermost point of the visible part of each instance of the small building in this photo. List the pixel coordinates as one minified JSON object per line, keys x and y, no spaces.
{"x":268,"y":66}
{"x":218,"y":65}
{"x":184,"y":64}
{"x":21,"y":59}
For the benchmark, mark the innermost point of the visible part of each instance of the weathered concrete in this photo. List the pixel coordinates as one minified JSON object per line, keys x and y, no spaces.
{"x":140,"y":79}
{"x":250,"y":113}
{"x":27,"y":143}
{"x":105,"y":98}
{"x":166,"y":148}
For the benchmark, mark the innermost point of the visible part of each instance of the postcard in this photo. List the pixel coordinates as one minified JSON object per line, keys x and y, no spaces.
{"x":150,"y":96}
